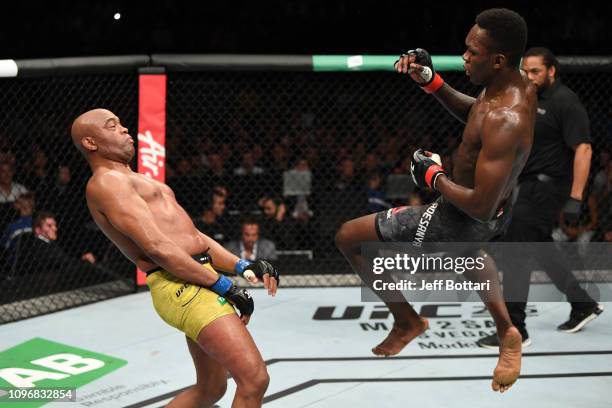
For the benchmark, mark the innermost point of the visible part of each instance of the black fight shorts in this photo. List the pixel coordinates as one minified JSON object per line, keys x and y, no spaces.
{"x":439,"y":221}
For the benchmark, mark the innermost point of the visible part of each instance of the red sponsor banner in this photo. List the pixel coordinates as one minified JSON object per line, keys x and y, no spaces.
{"x":151,"y":132}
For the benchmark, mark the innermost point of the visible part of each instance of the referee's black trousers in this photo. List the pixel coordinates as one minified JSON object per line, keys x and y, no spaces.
{"x":534,"y":215}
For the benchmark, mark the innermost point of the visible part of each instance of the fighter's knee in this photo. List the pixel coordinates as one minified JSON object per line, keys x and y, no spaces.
{"x":261,"y":380}
{"x":256,"y":384}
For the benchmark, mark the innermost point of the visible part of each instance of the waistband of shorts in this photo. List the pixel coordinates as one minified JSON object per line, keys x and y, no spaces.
{"x":202,"y":258}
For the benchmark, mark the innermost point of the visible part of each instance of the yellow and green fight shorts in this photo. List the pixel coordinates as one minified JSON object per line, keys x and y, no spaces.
{"x":183,"y":305}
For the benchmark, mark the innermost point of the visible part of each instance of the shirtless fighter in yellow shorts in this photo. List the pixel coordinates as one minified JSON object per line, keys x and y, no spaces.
{"x":141,"y":216}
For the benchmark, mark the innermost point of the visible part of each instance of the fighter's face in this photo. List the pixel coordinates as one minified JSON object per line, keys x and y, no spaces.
{"x":113,"y":138}
{"x":479,"y":60}
{"x":99,"y":132}
{"x":537,"y":72}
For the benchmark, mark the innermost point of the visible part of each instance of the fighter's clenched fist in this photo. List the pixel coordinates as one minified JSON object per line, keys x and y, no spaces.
{"x":417,"y":63}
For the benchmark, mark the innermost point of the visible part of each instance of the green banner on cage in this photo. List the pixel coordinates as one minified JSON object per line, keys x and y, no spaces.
{"x":377,"y":62}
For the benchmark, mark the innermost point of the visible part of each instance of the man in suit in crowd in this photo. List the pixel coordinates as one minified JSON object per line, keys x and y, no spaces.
{"x":250,"y":245}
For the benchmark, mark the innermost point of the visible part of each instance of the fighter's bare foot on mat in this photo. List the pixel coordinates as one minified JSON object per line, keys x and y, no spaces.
{"x":509,"y":363}
{"x":401,"y":334}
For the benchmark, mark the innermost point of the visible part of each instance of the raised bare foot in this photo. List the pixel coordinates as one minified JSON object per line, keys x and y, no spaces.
{"x":400,"y":335}
{"x":509,"y":363}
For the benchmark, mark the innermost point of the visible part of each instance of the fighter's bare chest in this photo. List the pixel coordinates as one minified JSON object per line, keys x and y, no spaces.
{"x":150,"y":190}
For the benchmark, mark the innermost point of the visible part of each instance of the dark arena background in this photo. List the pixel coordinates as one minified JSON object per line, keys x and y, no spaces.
{"x":284,"y":114}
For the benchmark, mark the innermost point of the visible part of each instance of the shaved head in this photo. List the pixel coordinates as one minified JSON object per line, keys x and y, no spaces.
{"x":98,"y":132}
{"x":85,"y":125}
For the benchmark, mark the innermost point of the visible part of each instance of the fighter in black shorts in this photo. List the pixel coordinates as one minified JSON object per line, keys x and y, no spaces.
{"x":475,"y":201}
{"x":439,"y":221}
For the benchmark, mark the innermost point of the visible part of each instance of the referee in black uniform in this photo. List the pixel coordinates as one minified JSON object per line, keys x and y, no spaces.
{"x":552,"y":181}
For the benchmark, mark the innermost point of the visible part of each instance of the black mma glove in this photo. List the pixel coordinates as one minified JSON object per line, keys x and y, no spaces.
{"x":430,"y":80}
{"x":571,"y":210}
{"x":425,"y":168}
{"x":240,"y":298}
{"x":259,"y":268}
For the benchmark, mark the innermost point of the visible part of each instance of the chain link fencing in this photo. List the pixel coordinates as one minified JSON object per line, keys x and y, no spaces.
{"x":301,"y":153}
{"x":42,"y":179}
{"x":296,"y":153}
